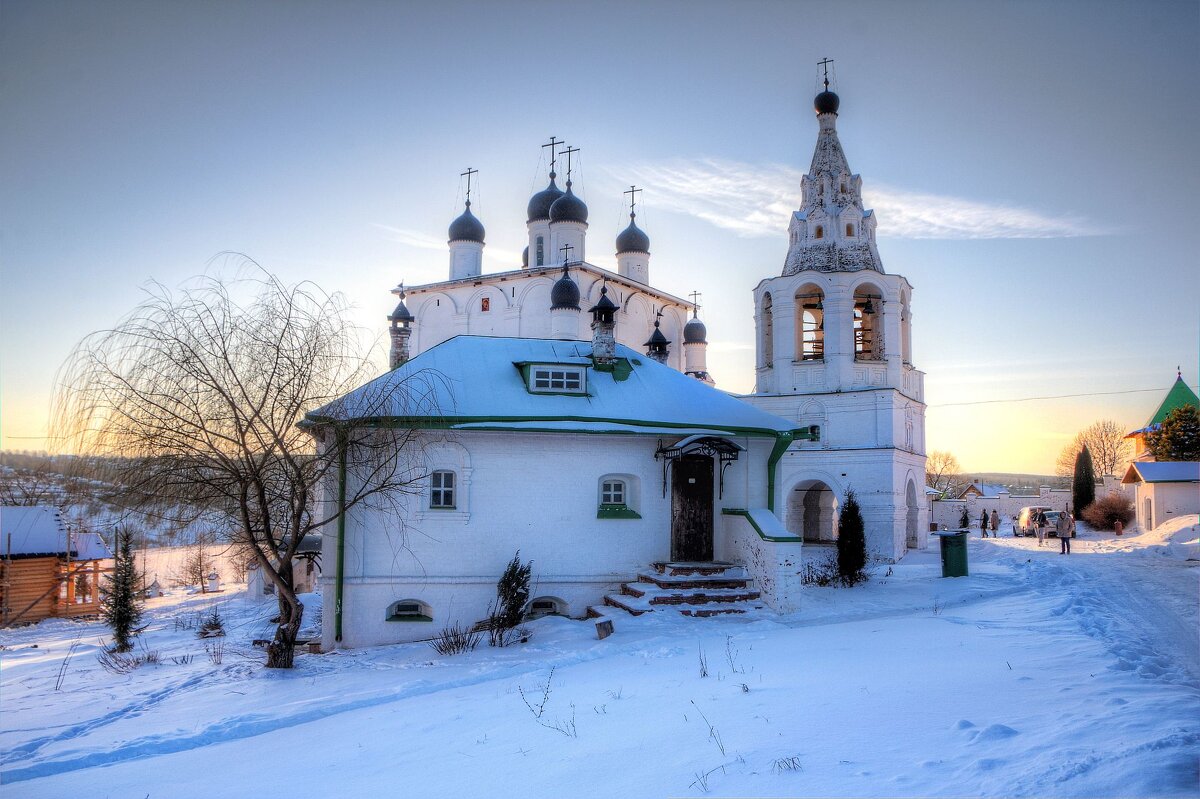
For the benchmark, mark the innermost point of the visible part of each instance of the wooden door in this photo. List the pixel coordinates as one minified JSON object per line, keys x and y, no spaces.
{"x":692,"y":509}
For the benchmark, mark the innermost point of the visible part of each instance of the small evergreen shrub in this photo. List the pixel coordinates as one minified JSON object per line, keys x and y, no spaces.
{"x":512,"y":594}
{"x":1104,"y":513}
{"x":119,"y":603}
{"x":852,"y":543}
{"x":213,"y":626}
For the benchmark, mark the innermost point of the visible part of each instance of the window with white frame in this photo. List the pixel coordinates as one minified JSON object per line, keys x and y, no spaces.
{"x":618,"y":497}
{"x":565,"y":379}
{"x":441,"y":489}
{"x":612,"y":492}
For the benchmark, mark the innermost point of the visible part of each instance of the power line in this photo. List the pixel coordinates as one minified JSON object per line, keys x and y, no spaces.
{"x":1050,"y":397}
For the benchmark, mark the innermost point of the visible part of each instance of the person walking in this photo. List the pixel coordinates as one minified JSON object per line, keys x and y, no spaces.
{"x":1063,"y":528}
{"x":995,"y":524}
{"x":1040,"y":524}
{"x":983,"y":523}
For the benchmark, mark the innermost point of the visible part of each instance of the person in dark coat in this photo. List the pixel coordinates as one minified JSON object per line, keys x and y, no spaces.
{"x":983,"y":523}
{"x":1041,"y":524}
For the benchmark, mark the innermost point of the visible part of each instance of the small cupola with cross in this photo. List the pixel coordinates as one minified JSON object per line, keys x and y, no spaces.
{"x":466,"y":239}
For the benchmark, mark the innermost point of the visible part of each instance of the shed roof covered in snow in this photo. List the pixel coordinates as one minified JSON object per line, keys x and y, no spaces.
{"x":1162,"y":472}
{"x":479,"y":382}
{"x":38,"y":531}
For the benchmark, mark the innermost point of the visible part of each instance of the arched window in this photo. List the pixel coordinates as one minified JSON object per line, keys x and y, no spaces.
{"x":850,"y":231}
{"x":820,"y":233}
{"x":768,"y":332}
{"x":612,"y":492}
{"x":541,"y":251}
{"x":409,"y":610}
{"x":618,"y":497}
{"x":810,"y":308}
{"x":441,"y":490}
{"x":905,"y":330}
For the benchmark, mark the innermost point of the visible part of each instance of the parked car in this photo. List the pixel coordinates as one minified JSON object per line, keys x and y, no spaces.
{"x":1024,"y":524}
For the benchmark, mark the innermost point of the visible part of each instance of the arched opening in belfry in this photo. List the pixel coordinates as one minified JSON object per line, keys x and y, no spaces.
{"x":905,"y":329}
{"x":812,"y":512}
{"x":868,"y":323}
{"x":810,"y":327}
{"x":768,"y":331}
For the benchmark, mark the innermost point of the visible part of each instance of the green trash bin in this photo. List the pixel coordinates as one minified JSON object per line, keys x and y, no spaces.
{"x":954,"y":553}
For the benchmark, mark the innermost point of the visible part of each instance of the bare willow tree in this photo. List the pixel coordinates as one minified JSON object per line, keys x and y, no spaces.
{"x":942,"y":472}
{"x":1106,"y":442}
{"x":198,"y":393}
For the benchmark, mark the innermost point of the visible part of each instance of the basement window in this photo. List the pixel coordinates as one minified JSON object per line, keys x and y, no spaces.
{"x":409,"y":610}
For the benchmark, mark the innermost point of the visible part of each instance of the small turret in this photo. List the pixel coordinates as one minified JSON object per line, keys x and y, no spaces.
{"x":568,"y":218}
{"x":695,"y":348}
{"x":604,"y":324}
{"x":466,"y":240}
{"x":658,"y":348}
{"x":633,"y":247}
{"x":401,"y":320}
{"x":564,"y":307}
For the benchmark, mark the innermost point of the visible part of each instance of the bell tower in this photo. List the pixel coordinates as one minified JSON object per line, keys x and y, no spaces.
{"x":833,"y":349}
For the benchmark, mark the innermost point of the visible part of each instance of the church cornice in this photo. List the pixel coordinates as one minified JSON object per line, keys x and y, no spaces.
{"x":552,"y":271}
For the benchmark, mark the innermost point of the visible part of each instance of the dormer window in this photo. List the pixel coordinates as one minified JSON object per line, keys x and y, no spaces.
{"x":557,"y":379}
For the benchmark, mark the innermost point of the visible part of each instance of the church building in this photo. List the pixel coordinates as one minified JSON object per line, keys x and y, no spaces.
{"x":566,"y":411}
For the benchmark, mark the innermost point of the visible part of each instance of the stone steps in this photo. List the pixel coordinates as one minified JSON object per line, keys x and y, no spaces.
{"x":692,"y":589}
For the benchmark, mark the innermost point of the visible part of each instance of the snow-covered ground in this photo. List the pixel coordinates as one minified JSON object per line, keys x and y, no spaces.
{"x":1038,"y":675}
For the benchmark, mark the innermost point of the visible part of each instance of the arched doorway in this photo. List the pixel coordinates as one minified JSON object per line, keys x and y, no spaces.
{"x":812,"y":512}
{"x":910,"y":524}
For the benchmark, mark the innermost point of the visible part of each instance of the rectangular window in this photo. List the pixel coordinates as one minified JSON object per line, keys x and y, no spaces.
{"x":557,"y":378}
{"x":441,"y":490}
{"x":612,"y":492}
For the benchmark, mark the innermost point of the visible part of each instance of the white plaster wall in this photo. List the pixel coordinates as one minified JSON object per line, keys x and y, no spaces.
{"x":520,"y":306}
{"x":1170,"y":500}
{"x":534,"y":492}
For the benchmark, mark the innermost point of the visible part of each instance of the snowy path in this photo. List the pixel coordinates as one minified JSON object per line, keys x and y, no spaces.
{"x":1039,"y":675}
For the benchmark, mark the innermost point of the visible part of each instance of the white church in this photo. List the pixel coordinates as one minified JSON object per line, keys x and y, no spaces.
{"x":573,"y":419}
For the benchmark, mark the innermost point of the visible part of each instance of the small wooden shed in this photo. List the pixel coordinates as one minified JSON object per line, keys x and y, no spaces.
{"x":46,"y":570}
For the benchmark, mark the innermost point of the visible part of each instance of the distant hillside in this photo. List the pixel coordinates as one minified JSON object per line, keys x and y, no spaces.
{"x":1019,"y":483}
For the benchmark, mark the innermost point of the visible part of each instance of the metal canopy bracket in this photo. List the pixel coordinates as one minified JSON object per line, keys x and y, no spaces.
{"x":722,"y":449}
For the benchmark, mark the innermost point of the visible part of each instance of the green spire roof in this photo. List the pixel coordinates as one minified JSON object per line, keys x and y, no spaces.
{"x":1179,"y":395}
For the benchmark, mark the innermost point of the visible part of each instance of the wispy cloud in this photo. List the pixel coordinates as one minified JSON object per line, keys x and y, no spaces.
{"x":756,"y":199}
{"x":412,"y":238}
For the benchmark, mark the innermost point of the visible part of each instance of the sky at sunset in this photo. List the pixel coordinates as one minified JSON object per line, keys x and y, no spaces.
{"x":1031,"y":164}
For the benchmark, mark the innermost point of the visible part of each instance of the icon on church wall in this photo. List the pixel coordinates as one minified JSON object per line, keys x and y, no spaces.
{"x":485,"y":304}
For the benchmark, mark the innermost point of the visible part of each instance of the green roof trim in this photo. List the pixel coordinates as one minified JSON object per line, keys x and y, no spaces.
{"x":1180,"y":394}
{"x":779,"y":539}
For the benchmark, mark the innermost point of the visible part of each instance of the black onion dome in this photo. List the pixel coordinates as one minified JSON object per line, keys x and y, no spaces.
{"x":633,"y":239}
{"x":539,"y":204}
{"x":467,"y":227}
{"x":564,"y":293}
{"x":568,"y":208}
{"x":694,"y":332}
{"x":826,"y":102}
